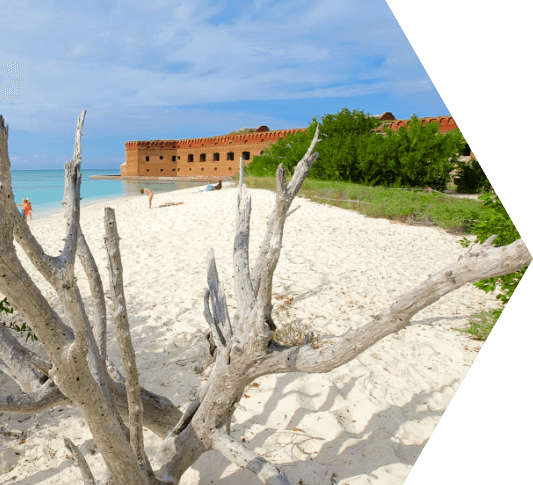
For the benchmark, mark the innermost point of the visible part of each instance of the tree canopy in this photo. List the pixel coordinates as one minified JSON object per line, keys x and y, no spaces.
{"x":352,"y":150}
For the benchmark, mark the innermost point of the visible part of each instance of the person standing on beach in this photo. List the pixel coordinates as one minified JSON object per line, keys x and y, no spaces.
{"x":150,"y":195}
{"x":30,"y":209}
{"x":26,"y":209}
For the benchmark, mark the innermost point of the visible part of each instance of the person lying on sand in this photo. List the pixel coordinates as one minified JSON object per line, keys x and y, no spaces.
{"x":150,"y":195}
{"x":168,"y":204}
{"x":209,"y":188}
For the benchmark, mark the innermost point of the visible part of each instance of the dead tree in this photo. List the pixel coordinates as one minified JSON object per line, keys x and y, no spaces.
{"x":79,"y":372}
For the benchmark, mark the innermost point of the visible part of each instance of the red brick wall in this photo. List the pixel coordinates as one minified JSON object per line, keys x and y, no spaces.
{"x":131,"y":166}
{"x":160,"y":153}
{"x":446,"y":123}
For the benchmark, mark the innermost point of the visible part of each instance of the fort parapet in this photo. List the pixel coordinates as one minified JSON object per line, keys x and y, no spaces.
{"x":216,"y":156}
{"x":446,"y":123}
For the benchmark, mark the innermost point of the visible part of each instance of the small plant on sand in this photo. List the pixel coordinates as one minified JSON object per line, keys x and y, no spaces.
{"x":481,"y":324}
{"x":291,"y":331}
{"x":5,"y":307}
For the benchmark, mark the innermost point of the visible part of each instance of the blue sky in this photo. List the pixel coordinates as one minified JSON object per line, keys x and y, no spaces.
{"x":180,"y":69}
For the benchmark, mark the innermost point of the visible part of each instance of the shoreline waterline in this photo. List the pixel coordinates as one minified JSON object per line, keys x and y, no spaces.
{"x":45,"y":188}
{"x":105,"y":202}
{"x":139,"y":178}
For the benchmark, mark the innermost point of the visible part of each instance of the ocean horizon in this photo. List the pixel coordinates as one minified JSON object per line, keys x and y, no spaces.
{"x":45,"y":188}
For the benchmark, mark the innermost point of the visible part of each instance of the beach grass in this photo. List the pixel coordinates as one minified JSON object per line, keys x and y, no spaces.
{"x":455,"y":215}
{"x":481,"y":324}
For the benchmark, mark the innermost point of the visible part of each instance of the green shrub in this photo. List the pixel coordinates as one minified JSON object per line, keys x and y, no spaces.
{"x":6,"y":307}
{"x":497,"y":221}
{"x":481,"y":324}
{"x":351,"y":151}
{"x":472,"y":178}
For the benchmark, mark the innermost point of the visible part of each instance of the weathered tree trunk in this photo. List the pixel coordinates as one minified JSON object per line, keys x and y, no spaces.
{"x":79,"y":372}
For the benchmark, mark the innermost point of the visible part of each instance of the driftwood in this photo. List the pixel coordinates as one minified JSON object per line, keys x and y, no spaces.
{"x":78,"y":370}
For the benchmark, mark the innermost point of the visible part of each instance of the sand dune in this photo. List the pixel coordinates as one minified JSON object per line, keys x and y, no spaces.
{"x":365,"y":422}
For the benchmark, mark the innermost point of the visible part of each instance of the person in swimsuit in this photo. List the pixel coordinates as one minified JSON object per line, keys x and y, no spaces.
{"x":30,"y":209}
{"x":150,"y":195}
{"x":218,"y":186}
{"x":26,"y":208}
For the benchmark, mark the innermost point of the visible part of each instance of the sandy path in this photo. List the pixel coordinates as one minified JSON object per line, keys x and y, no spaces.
{"x":365,"y":422}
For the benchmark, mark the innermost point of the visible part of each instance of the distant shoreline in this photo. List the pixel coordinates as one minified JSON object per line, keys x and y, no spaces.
{"x":140,"y":178}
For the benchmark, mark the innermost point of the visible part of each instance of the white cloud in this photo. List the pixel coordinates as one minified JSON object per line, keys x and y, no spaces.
{"x":125,"y":54}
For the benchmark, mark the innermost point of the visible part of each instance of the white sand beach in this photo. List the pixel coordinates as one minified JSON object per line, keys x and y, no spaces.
{"x":365,"y":422}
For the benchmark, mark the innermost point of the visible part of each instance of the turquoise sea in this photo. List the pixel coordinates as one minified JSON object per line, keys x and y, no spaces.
{"x":45,"y":188}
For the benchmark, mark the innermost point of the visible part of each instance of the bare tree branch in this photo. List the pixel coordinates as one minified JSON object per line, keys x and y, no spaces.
{"x":218,"y":298}
{"x":43,"y":398}
{"x":216,"y":331}
{"x":479,"y":263}
{"x":241,"y":171}
{"x":302,"y":169}
{"x":97,"y":292}
{"x":177,"y":454}
{"x":71,"y":200}
{"x":71,"y":372}
{"x":293,"y":210}
{"x":268,"y":255}
{"x":17,"y":365}
{"x":38,"y":363}
{"x":267,"y":260}
{"x":120,"y":317}
{"x":15,"y":283}
{"x":159,"y":413}
{"x":88,"y":478}
{"x":244,"y":291}
{"x":238,"y":454}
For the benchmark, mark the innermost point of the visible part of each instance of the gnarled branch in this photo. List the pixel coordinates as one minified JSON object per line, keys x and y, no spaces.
{"x":97,"y":292}
{"x":480,"y":262}
{"x":18,"y":367}
{"x":218,"y":299}
{"x":43,"y":398}
{"x":88,"y":478}
{"x":244,"y":291}
{"x":269,"y":252}
{"x":120,"y":318}
{"x":241,"y":456}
